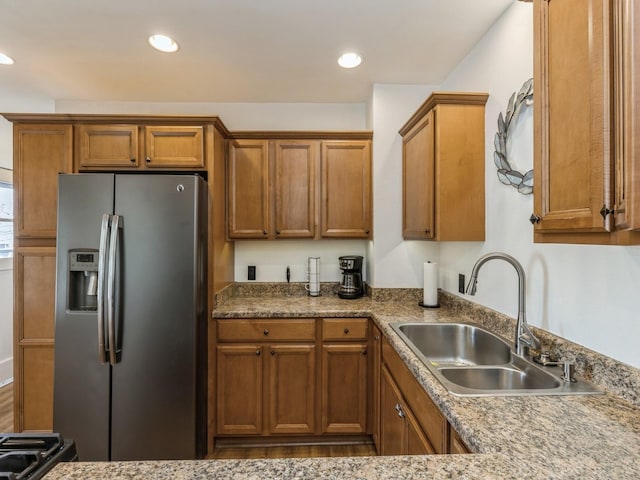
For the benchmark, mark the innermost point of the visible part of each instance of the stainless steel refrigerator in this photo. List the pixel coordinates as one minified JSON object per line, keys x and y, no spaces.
{"x":130,"y":333}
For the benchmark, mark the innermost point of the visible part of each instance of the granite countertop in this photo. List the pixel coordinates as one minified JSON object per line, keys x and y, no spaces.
{"x":594,"y":436}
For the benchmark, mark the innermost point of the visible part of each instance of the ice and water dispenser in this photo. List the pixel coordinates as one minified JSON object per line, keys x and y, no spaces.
{"x":83,"y":280}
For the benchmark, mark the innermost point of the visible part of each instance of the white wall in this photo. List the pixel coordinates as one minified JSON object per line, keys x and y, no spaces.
{"x":11,"y":100}
{"x":242,"y":116}
{"x":584,"y":293}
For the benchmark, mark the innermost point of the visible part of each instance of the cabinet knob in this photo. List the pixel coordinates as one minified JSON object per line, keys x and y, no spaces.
{"x":266,"y":332}
{"x":604,"y":211}
{"x":264,"y":232}
{"x":367,"y":231}
{"x":399,"y":410}
{"x":346,"y":331}
{"x":133,"y":160}
{"x":377,"y":338}
{"x":147,"y":159}
{"x":273,"y":353}
{"x":364,"y":352}
{"x":534,"y":219}
{"x":258,"y":352}
{"x":427,"y":231}
{"x":277,"y":232}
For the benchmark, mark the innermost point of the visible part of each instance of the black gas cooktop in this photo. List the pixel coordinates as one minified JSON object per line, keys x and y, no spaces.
{"x":31,"y":455}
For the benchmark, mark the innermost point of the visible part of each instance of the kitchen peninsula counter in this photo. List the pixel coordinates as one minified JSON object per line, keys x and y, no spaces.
{"x":563,"y":437}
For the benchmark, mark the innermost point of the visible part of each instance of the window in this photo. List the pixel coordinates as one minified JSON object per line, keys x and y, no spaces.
{"x":6,"y":214}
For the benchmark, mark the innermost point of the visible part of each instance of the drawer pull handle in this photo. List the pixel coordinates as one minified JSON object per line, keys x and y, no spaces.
{"x":266,"y":332}
{"x":346,"y":331}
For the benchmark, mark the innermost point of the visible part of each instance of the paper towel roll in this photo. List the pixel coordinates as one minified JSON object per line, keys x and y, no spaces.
{"x":430,"y":294}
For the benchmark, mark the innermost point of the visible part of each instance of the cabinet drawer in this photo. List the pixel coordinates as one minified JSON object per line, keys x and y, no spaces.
{"x":266,"y":330}
{"x":344,"y":329}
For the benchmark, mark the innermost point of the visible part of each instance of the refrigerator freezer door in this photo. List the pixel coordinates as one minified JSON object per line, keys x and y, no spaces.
{"x":81,"y":382}
{"x":155,"y":394}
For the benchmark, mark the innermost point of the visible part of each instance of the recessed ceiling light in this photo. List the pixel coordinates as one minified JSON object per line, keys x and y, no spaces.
{"x":6,"y":59}
{"x":163,"y":43}
{"x":349,"y":60}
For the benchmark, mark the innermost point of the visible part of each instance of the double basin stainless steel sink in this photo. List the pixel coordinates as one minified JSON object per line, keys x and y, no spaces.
{"x":471,"y":361}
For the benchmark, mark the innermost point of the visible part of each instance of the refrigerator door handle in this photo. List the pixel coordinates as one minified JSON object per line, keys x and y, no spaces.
{"x":102,"y":263}
{"x":111,"y":284}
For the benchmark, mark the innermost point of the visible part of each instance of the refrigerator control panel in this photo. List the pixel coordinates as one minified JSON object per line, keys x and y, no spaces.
{"x":83,"y":260}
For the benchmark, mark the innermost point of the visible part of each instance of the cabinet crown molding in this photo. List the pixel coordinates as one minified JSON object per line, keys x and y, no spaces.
{"x":444,"y":98}
{"x":87,"y":118}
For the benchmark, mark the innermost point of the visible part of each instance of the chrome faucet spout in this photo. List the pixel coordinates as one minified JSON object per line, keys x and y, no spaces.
{"x":524,"y":337}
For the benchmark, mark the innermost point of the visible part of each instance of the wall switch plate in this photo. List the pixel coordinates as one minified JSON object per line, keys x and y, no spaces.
{"x":251,"y":272}
{"x":461,"y":282}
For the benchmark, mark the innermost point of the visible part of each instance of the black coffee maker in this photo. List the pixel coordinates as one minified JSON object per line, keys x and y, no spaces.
{"x":351,"y":284}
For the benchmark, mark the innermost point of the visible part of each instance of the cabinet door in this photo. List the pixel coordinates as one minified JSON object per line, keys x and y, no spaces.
{"x":572,"y":139}
{"x":295,"y":188}
{"x":40,"y":153}
{"x":418,"y":181}
{"x":34,"y":312}
{"x":239,"y":389}
{"x":376,"y":362}
{"x":106,"y":147}
{"x":248,"y":189}
{"x":292,"y":392}
{"x":627,"y":103}
{"x":392,"y":424}
{"x":344,"y":388}
{"x":456,"y":445}
{"x":417,"y":442}
{"x":346,"y":189}
{"x":174,"y":147}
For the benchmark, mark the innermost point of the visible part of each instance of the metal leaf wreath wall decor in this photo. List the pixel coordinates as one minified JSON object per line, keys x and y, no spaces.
{"x":507,"y":175}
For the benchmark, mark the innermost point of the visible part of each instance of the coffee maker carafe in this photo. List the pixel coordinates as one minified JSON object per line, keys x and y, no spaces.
{"x":351,"y":284}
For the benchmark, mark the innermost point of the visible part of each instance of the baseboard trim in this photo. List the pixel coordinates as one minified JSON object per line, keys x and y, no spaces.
{"x":6,"y":371}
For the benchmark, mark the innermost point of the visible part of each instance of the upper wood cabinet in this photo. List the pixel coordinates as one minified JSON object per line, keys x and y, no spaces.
{"x":248,"y":189}
{"x":346,"y":189}
{"x":281,"y":187}
{"x":108,"y":147}
{"x":272,"y":188}
{"x":294,"y":188}
{"x":586,"y":139}
{"x":40,"y":153}
{"x":443,"y":169}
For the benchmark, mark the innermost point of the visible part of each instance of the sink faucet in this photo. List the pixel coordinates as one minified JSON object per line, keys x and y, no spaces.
{"x":524,"y":336}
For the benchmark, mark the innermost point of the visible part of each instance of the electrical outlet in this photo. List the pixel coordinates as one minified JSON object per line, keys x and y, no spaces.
{"x":461,"y":282}
{"x":251,"y":272}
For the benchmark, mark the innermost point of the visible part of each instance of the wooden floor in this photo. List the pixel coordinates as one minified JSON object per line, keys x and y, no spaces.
{"x":6,"y":408}
{"x":297,"y":451}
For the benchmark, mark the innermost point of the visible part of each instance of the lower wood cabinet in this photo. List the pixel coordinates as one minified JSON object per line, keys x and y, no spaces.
{"x":345,"y":378}
{"x":266,"y":387}
{"x":277,"y":377}
{"x":410,"y":423}
{"x":34,"y":311}
{"x":400,"y":433}
{"x":315,"y":378}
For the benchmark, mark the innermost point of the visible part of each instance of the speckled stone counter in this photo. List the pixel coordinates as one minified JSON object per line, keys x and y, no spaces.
{"x":564,"y":437}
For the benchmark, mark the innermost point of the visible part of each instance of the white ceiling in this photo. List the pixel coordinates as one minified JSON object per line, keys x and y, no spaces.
{"x":234,"y":50}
